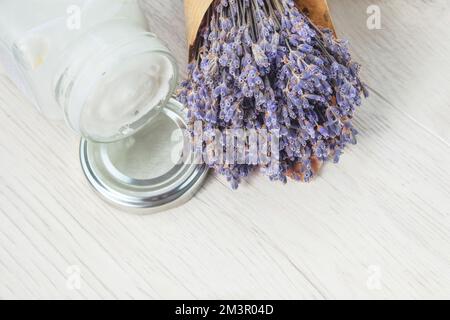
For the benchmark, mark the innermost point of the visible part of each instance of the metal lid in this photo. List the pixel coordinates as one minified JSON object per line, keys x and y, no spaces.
{"x":152,"y":170}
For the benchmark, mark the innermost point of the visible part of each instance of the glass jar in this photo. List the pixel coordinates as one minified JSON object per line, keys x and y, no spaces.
{"x":93,"y":63}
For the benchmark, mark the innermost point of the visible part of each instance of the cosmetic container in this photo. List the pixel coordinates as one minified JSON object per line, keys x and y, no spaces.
{"x":95,"y":64}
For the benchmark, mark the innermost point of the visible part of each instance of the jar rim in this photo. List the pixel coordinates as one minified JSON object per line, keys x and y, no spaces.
{"x":74,"y":87}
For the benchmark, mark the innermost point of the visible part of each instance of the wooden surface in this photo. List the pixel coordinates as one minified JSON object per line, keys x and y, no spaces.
{"x":375,"y":226}
{"x":318,"y":11}
{"x":195,"y":11}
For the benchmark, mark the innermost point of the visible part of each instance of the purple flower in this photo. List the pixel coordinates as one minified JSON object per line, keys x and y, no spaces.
{"x":263,"y":64}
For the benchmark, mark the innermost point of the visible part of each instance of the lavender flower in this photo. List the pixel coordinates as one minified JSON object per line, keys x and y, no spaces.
{"x":263,"y":64}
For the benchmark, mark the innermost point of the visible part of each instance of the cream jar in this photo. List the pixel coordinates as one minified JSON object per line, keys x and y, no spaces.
{"x":92,"y":62}
{"x":95,"y":64}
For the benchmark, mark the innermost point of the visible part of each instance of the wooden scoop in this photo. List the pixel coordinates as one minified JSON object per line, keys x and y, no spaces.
{"x":317,"y":10}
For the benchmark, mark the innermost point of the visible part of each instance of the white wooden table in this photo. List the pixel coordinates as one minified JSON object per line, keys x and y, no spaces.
{"x":375,"y":226}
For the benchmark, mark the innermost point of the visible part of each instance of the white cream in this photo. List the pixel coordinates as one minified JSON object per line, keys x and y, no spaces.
{"x":93,"y":62}
{"x":125,"y":94}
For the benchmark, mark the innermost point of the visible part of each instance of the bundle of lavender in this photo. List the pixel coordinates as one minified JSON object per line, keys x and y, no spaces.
{"x":264,"y":64}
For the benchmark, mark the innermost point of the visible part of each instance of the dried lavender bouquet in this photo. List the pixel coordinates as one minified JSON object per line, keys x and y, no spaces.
{"x":264,"y":64}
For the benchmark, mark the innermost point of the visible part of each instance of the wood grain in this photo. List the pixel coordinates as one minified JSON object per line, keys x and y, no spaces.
{"x":318,"y":11}
{"x":195,"y":11}
{"x":375,"y":226}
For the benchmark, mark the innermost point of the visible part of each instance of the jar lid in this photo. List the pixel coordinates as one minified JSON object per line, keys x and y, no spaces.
{"x":152,"y":170}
